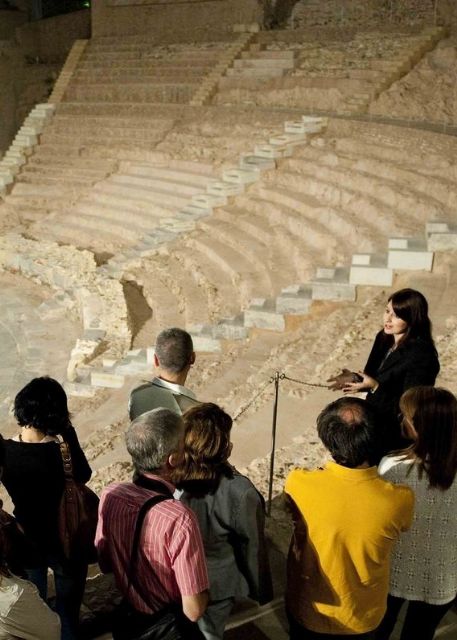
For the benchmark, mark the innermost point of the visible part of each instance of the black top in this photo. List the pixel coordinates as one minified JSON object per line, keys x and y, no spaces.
{"x":410,"y":365}
{"x":34,"y":478}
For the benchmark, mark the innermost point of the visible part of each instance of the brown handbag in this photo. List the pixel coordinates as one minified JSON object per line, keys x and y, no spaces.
{"x":78,"y":515}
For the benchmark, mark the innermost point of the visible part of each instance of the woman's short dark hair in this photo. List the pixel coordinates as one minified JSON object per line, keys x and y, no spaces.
{"x":433,"y":414}
{"x":348,"y":429}
{"x":412,"y":307}
{"x":207,"y":444}
{"x":42,"y":404}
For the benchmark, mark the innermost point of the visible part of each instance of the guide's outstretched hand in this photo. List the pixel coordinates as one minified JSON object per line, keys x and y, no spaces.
{"x":339,"y":382}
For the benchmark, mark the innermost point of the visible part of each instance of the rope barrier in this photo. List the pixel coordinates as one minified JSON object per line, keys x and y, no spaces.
{"x":276,"y":379}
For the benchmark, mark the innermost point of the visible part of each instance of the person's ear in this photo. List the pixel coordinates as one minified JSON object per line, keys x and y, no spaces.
{"x":192,"y":358}
{"x":174,"y":459}
{"x":156,"y":361}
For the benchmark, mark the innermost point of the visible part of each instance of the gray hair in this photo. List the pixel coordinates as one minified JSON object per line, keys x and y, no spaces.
{"x":174,"y":348}
{"x":152,"y":437}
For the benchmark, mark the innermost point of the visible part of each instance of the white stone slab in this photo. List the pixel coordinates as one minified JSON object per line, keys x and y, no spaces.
{"x":271,"y":151}
{"x":368,"y":275}
{"x":325,"y":272}
{"x":264,"y":316}
{"x":206,"y":344}
{"x":361,"y":259}
{"x":231,"y":329}
{"x":208,"y":201}
{"x":257,"y":162}
{"x":302,"y":127}
{"x":410,"y":260}
{"x":224,"y":189}
{"x":436,"y":227}
{"x":288,"y":139}
{"x":398,"y":243}
{"x":241,"y":176}
{"x":442,"y":241}
{"x":107,"y":380}
{"x":294,"y":300}
{"x":26,"y":139}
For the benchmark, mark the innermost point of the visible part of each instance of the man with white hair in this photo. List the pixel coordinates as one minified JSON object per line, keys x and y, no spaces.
{"x":159,"y":565}
{"x":173,"y":357}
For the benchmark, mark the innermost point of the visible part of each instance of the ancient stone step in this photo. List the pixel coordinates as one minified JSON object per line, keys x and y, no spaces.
{"x":262,"y":314}
{"x":332,"y":283}
{"x":409,"y":253}
{"x":370,"y":269}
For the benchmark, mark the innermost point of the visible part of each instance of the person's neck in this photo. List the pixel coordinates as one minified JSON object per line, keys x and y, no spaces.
{"x":31,"y":434}
{"x":175,"y":378}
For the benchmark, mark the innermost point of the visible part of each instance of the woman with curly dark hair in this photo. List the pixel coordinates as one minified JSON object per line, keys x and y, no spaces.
{"x":34,"y":478}
{"x":230,"y":513}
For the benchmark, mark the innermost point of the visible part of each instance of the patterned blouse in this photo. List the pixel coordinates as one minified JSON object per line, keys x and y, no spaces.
{"x":424,"y":561}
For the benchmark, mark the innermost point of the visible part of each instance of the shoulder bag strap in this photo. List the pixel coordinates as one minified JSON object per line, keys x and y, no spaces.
{"x":132,"y":574}
{"x":66,"y":459}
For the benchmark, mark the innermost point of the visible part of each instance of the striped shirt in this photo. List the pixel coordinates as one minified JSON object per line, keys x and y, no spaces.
{"x":171,"y":559}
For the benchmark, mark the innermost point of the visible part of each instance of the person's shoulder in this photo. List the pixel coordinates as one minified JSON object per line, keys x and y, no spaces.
{"x":298,"y":477}
{"x":140,"y":388}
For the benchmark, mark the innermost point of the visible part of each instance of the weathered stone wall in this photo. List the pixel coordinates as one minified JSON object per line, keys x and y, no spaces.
{"x":353,"y":13}
{"x":172,"y":21}
{"x":51,"y":39}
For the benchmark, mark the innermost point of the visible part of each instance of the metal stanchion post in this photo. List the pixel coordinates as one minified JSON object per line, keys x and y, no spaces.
{"x":277,"y":377}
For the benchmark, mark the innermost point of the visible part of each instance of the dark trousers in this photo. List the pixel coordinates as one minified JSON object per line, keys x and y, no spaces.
{"x":69,"y":586}
{"x":420,"y":622}
{"x":299,"y":632}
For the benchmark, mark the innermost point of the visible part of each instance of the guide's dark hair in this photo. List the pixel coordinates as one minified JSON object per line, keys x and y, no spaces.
{"x":433,"y":414}
{"x":348,"y":428}
{"x":42,"y":404}
{"x":412,"y":307}
{"x":174,"y":349}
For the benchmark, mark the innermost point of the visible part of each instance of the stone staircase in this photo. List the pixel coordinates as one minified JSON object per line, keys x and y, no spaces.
{"x":133,"y":70}
{"x":296,"y":69}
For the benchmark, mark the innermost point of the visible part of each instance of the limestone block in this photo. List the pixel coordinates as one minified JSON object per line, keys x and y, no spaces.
{"x":398,"y":243}
{"x":6,"y":178}
{"x":409,"y":253}
{"x":370,"y":269}
{"x":241,"y":176}
{"x":26,"y":140}
{"x":231,"y":328}
{"x":299,"y":127}
{"x":288,"y":139}
{"x":11,"y":167}
{"x":209,"y":201}
{"x":107,"y":380}
{"x":94,"y":335}
{"x":253,"y":161}
{"x":262,"y":314}
{"x":30,"y":130}
{"x":108,"y":363}
{"x":442,"y":241}
{"x":206,"y":344}
{"x":79,"y":389}
{"x":272,"y":151}
{"x":436,"y":227}
{"x":333,"y":284}
{"x":410,"y":259}
{"x":323,"y":121}
{"x":177,"y":225}
{"x":294,"y":300}
{"x":224,"y":189}
{"x":131,"y":366}
{"x":196,"y":211}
